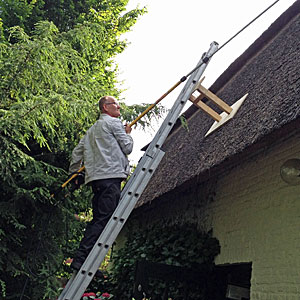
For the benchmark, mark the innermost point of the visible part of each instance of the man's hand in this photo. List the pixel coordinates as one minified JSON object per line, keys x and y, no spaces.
{"x":127,"y":128}
{"x":77,"y":181}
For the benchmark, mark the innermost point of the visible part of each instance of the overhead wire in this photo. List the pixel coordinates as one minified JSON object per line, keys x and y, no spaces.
{"x":235,"y":35}
{"x":252,"y":21}
{"x":198,"y":66}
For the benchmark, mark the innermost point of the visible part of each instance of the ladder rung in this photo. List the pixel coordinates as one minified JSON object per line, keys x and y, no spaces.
{"x":199,"y":82}
{"x":207,"y":109}
{"x":220,"y":103}
{"x":193,"y":98}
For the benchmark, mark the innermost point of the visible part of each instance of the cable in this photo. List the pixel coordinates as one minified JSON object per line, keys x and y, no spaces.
{"x":204,"y":60}
{"x":235,"y":35}
{"x":246,"y":26}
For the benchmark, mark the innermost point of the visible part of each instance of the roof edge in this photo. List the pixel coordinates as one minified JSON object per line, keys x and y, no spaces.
{"x":247,"y":55}
{"x":244,"y":58}
{"x":274,"y":138}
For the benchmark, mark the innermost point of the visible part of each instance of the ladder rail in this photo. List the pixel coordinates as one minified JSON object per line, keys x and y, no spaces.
{"x":108,"y":236}
{"x":133,"y":189}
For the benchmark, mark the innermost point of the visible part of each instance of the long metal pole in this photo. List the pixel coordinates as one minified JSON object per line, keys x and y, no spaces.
{"x":137,"y":119}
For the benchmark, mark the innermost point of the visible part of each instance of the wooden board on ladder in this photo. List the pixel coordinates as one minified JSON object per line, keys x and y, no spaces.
{"x":228,"y":112}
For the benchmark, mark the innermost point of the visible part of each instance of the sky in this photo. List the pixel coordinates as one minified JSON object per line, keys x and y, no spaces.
{"x":167,"y":42}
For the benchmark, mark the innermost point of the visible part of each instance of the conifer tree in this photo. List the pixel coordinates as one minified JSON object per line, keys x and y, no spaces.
{"x":52,"y":75}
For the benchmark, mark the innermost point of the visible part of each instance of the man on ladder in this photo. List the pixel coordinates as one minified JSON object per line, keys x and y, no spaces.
{"x":103,"y":149}
{"x":135,"y":186}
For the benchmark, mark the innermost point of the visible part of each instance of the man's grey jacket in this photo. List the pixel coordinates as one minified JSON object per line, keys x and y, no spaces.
{"x":103,"y":150}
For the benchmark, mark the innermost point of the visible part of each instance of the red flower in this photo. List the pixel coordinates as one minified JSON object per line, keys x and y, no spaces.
{"x":68,"y":260}
{"x":89,"y":295}
{"x":106,"y":295}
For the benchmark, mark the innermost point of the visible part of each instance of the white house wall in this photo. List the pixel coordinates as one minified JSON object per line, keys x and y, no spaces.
{"x":256,"y":217}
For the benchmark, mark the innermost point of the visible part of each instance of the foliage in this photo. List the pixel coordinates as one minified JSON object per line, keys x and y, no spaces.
{"x":184,"y":123}
{"x":1,"y":31}
{"x":98,"y":296}
{"x":65,"y":14}
{"x":173,"y":245}
{"x":131,"y":112}
{"x":50,"y":80}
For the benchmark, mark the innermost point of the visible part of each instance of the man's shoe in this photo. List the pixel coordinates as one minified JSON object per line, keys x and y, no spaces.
{"x":99,"y":274}
{"x":76,"y":265}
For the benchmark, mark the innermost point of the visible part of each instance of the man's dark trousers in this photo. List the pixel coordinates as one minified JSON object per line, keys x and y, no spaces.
{"x":106,"y":198}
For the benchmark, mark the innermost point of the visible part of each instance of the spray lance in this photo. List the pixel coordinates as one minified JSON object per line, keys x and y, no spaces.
{"x":79,"y":172}
{"x":204,"y":60}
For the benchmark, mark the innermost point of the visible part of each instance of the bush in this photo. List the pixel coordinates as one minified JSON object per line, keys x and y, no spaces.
{"x":183,"y":246}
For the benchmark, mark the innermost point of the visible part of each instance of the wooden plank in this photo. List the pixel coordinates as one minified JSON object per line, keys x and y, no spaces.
{"x":219,"y":102}
{"x":193,"y":98}
{"x":208,"y":110}
{"x":200,"y":82}
{"x":226,"y":117}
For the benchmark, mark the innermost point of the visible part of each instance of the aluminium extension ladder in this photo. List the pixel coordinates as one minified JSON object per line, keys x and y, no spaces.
{"x":133,"y":189}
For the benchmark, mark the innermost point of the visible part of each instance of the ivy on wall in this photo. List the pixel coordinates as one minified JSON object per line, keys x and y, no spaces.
{"x":178,"y":245}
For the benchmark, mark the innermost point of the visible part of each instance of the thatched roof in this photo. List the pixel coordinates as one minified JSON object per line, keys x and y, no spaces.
{"x":269,"y":71}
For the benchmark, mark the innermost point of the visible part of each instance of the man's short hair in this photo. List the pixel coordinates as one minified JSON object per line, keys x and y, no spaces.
{"x":102,"y":101}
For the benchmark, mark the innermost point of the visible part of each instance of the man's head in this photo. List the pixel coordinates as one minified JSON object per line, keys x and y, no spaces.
{"x":109,"y":105}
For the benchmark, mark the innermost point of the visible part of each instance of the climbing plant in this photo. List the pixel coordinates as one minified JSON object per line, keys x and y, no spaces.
{"x":179,"y":245}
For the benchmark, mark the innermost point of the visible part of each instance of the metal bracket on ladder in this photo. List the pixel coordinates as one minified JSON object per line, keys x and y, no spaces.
{"x":133,"y":189}
{"x":220,"y":119}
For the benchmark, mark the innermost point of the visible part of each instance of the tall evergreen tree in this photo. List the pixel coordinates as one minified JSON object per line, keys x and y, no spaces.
{"x":65,"y":14}
{"x":50,"y":81}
